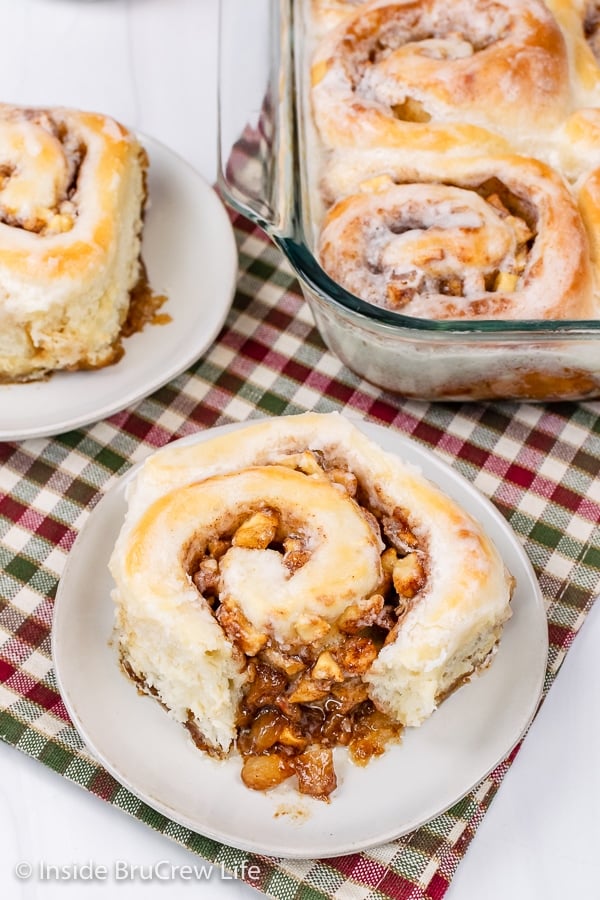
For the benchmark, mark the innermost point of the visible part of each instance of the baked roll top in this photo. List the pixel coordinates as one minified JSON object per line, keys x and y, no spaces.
{"x":492,"y":237}
{"x":458,"y":155}
{"x":580,"y":23}
{"x":71,"y":199}
{"x":435,"y":76}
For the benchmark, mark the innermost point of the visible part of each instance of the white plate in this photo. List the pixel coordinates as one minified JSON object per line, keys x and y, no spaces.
{"x":190,"y":253}
{"x":433,"y":767}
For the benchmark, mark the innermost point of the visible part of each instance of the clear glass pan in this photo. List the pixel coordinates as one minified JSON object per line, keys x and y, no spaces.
{"x":263,"y":175}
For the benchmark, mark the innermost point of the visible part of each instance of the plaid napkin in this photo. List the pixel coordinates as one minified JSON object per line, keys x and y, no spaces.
{"x":539,"y":464}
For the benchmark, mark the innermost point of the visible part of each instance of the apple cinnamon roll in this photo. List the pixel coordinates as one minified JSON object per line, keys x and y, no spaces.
{"x":438,"y":76}
{"x":292,"y":587}
{"x":481,"y":238}
{"x":71,"y":198}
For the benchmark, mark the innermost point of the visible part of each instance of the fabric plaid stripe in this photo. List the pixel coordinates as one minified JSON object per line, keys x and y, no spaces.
{"x":539,"y":464}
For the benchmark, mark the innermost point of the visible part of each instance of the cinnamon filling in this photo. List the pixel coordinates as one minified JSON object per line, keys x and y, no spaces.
{"x":59,"y":217}
{"x":411,"y":110}
{"x":442,"y":33}
{"x":591,"y":28}
{"x":302,"y":700}
{"x":522,"y":217}
{"x":517,"y":213}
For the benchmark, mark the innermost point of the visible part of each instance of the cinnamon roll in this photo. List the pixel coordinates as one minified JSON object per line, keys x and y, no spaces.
{"x":437,"y":76}
{"x":481,"y":238}
{"x":292,"y":587}
{"x":580,"y":23}
{"x":71,"y":197}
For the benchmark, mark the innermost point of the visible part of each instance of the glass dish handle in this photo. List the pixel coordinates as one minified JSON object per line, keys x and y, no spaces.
{"x":255,"y":164}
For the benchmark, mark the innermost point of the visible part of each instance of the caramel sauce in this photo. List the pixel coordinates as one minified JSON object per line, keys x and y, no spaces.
{"x":296,"y":813}
{"x":143,"y":307}
{"x":564,"y":384}
{"x":279,"y":739}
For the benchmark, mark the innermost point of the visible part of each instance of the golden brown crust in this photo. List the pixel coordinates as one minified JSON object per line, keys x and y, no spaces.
{"x":433,"y":75}
{"x":492,"y":237}
{"x":300,"y":568}
{"x":72,"y":188}
{"x":115,"y":151}
{"x":580,"y":23}
{"x":407,"y":97}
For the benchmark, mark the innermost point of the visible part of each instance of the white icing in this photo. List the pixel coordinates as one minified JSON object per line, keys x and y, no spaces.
{"x":411,"y":235}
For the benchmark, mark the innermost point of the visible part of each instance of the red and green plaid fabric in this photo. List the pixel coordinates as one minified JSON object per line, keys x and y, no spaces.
{"x":539,"y":464}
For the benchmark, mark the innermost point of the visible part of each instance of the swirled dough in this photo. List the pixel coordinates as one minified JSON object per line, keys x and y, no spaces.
{"x":71,"y":198}
{"x":580,"y":24}
{"x":296,"y":559}
{"x":484,"y":238}
{"x":435,"y":76}
{"x":458,"y":155}
{"x":343,"y":565}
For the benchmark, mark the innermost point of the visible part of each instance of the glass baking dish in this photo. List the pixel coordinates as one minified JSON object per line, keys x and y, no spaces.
{"x":264,"y":172}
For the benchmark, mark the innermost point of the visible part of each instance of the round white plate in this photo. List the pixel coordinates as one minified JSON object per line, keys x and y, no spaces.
{"x":190,"y":254}
{"x":433,"y":767}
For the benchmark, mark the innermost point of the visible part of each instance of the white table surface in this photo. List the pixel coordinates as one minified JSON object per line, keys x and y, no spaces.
{"x":152,"y":64}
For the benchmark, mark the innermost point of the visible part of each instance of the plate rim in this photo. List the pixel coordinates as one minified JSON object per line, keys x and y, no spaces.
{"x":228,"y":247}
{"x":541,"y":639}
